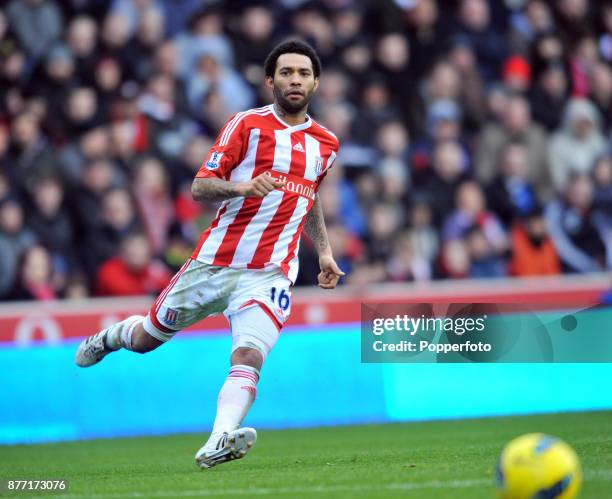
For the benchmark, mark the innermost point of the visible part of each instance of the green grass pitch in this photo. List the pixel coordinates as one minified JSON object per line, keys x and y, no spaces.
{"x":449,"y":459}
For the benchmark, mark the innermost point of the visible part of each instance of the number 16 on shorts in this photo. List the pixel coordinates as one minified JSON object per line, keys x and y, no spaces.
{"x":281,"y":297}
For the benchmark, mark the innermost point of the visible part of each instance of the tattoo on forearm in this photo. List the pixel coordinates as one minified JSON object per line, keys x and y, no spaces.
{"x":213,"y":189}
{"x":315,"y":227}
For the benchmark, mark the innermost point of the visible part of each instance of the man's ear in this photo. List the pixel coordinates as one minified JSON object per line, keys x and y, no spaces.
{"x":316,"y":85}
{"x":270,"y":82}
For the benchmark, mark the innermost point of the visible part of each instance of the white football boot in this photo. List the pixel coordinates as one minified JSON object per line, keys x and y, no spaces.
{"x":92,"y":349}
{"x":229,"y":446}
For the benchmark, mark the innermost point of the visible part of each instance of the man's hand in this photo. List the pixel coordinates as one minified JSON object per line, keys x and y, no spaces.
{"x":258,"y":187}
{"x":330,"y":272}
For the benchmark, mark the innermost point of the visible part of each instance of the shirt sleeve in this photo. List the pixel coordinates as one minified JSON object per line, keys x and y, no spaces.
{"x":227,"y":152}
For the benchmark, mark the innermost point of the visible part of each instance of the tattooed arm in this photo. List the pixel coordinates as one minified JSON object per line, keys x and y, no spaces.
{"x":216,"y":189}
{"x":315,"y":228}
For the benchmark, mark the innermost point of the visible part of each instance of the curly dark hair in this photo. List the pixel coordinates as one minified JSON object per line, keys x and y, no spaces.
{"x":292,"y":47}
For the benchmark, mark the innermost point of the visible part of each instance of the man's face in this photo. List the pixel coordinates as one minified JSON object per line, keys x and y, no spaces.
{"x":294,"y":82}
{"x":136,"y":253}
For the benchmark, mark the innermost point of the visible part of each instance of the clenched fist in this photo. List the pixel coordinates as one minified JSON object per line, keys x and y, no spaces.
{"x":330,"y":272}
{"x":259,"y":187}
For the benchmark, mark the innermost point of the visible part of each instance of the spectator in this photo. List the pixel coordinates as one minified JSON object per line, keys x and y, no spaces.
{"x":332,"y":90}
{"x":442,"y":181}
{"x":376,"y":110}
{"x":393,"y":149}
{"x":601,"y":94}
{"x":471,"y":91}
{"x":454,"y":260}
{"x":118,"y":219}
{"x":107,"y":80}
{"x":37,"y":24}
{"x":546,"y":50}
{"x":583,"y":59}
{"x":605,"y":32}
{"x":30,"y":153}
{"x":253,"y":41}
{"x":128,"y":138}
{"x":15,"y":239}
{"x":425,"y":35}
{"x":486,"y":260}
{"x":443,"y":124}
{"x":443,"y":83}
{"x":51,"y":222}
{"x":602,"y":179}
{"x":81,"y":113}
{"x":165,"y":62}
{"x":471,"y":214}
{"x":511,"y":195}
{"x":149,"y":35}
{"x":53,"y":82}
{"x":97,"y":177}
{"x":133,"y":271}
{"x":535,"y":18}
{"x":189,"y":162}
{"x":383,"y":222}
{"x":422,"y":232}
{"x":548,"y":97}
{"x":92,"y":145}
{"x":476,"y":27}
{"x":152,"y":193}
{"x":393,"y":63}
{"x":209,"y":74}
{"x":76,"y":287}
{"x":574,"y":147}
{"x":406,"y":264}
{"x":115,"y":35}
{"x":82,"y":39}
{"x":516,"y":126}
{"x":309,"y":22}
{"x":573,"y":19}
{"x":533,"y":252}
{"x":356,"y":60}
{"x":35,"y":276}
{"x":575,"y":228}
{"x":203,"y":37}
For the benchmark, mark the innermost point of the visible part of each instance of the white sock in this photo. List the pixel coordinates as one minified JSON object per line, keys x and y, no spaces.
{"x":120,"y":335}
{"x":235,"y":399}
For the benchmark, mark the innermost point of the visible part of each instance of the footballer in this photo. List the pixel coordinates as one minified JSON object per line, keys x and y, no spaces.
{"x":265,"y":167}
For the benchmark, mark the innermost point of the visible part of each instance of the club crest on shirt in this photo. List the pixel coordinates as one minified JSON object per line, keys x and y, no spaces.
{"x":171,"y":316}
{"x":318,"y":165}
{"x":214,"y":160}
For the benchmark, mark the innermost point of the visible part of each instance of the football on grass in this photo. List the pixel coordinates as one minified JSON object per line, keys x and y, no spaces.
{"x":538,"y":466}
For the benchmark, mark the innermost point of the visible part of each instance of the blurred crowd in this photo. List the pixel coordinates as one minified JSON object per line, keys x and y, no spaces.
{"x":475,"y":135}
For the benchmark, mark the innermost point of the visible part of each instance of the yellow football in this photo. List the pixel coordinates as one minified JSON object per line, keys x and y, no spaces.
{"x":538,"y":466}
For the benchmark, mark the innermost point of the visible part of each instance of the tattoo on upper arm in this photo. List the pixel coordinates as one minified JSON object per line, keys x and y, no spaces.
{"x":315,"y":226}
{"x":212,"y":189}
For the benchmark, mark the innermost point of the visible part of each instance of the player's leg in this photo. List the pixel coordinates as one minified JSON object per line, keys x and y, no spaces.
{"x":254,"y":333}
{"x":172,"y":311}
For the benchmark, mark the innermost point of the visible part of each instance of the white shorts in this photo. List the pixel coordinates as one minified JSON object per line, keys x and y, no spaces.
{"x":199,"y":290}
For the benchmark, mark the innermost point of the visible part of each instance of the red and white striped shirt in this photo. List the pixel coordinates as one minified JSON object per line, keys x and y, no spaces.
{"x":261,"y":233}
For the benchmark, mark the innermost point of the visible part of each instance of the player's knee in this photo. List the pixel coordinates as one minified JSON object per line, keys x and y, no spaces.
{"x":247,"y":357}
{"x":143,"y":342}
